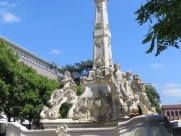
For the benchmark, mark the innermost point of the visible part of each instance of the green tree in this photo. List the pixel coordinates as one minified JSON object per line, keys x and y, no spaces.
{"x":154,"y":98}
{"x":78,"y":70}
{"x":8,"y":77}
{"x":23,"y":91}
{"x":35,"y":94}
{"x":165,"y":24}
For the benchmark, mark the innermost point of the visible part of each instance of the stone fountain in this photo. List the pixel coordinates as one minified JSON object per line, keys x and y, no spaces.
{"x":108,"y":92}
{"x":109,"y":95}
{"x":109,"y":100}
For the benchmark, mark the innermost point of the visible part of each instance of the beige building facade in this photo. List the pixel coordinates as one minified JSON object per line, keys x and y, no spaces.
{"x":173,"y":112}
{"x":50,"y":70}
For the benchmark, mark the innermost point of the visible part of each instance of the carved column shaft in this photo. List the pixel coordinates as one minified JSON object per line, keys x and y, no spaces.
{"x":102,"y":37}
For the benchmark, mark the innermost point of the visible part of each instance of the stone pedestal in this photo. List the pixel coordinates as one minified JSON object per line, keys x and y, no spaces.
{"x":52,"y":124}
{"x":153,"y":125}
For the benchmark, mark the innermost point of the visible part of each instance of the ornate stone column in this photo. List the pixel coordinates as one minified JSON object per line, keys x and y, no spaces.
{"x":102,"y":57}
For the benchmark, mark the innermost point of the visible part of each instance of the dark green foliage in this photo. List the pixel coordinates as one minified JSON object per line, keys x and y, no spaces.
{"x":154,"y":98}
{"x":165,"y":24}
{"x":79,"y":90}
{"x":64,"y":110}
{"x":23,"y":91}
{"x":65,"y":107}
{"x":78,"y":70}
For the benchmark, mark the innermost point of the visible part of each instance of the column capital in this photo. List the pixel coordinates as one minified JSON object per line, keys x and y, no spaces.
{"x":99,"y":1}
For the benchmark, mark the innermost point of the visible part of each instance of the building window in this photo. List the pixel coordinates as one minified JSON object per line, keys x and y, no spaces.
{"x":180,"y":113}
{"x":176,"y":113}
{"x":168,"y":113}
{"x":21,"y":55}
{"x":172,"y":113}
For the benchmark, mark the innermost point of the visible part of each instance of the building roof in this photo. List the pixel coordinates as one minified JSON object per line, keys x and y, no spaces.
{"x":15,"y":46}
{"x":39,"y":61}
{"x":173,"y":106}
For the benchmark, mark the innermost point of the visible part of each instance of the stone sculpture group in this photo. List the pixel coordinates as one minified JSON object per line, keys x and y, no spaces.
{"x":108,"y":94}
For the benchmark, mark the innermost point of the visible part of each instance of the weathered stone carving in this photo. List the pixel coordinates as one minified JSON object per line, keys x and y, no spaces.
{"x":82,"y":110}
{"x":109,"y":42}
{"x":62,"y":130}
{"x":44,"y":113}
{"x":55,"y":102}
{"x":119,"y":77}
{"x":99,"y":41}
{"x":68,"y":81}
{"x":70,"y":94}
{"x":110,"y":61}
{"x":90,"y":77}
{"x":102,"y":109}
{"x":99,"y":61}
{"x":110,"y":95}
{"x":141,"y":96}
{"x":128,"y":76}
{"x":99,"y":7}
{"x":98,"y":26}
{"x":58,"y":97}
{"x":95,"y":108}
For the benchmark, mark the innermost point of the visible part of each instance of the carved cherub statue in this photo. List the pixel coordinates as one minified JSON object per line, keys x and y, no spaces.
{"x":128,"y":75}
{"x":68,"y":81}
{"x":120,"y":80}
{"x":118,"y":74}
{"x":136,"y":78}
{"x":44,"y":113}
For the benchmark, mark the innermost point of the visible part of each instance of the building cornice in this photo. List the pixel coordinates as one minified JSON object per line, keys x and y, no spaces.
{"x":17,"y":47}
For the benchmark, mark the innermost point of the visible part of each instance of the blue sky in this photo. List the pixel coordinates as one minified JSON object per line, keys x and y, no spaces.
{"x":61,"y":31}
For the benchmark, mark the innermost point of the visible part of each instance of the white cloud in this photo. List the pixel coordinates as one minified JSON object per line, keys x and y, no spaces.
{"x":157,"y":65}
{"x":172,"y":85}
{"x":172,"y":90}
{"x":55,"y":51}
{"x":7,"y":4}
{"x":5,"y":15}
{"x":8,"y":17}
